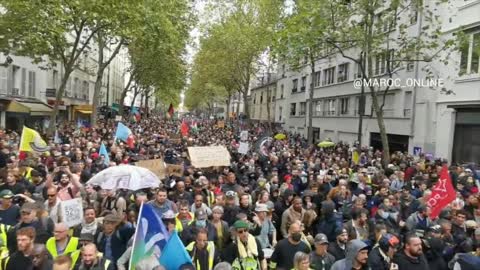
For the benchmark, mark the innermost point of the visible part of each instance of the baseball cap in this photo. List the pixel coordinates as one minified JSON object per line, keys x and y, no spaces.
{"x":321,"y":239}
{"x":340,"y":231}
{"x":240,"y":224}
{"x":231,"y":194}
{"x":261,"y":207}
{"x":6,"y":194}
{"x":200,"y":214}
{"x":86,"y":237}
{"x":168,"y":215}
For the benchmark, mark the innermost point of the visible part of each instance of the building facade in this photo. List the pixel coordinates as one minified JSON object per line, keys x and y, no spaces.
{"x":28,"y":91}
{"x":262,"y":99}
{"x":417,"y":116}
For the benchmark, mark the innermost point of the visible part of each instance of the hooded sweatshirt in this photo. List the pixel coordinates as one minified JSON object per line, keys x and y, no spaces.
{"x":353,"y":248}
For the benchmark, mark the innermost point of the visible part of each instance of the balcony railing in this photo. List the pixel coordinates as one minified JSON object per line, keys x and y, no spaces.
{"x":407,"y":112}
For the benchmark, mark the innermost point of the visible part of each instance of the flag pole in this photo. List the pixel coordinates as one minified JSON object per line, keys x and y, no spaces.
{"x":135,"y":237}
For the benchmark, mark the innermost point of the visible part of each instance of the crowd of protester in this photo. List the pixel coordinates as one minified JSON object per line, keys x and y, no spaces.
{"x":292,"y":205}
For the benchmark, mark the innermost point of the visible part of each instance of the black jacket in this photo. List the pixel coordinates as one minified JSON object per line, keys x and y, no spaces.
{"x":336,"y":251}
{"x":119,"y":241}
{"x":407,"y":263}
{"x":377,"y":261}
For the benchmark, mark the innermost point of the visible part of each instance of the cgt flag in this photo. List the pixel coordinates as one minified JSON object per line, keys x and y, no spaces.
{"x":443,"y":193}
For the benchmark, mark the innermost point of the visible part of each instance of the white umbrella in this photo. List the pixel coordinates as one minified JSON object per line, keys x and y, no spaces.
{"x":125,"y":177}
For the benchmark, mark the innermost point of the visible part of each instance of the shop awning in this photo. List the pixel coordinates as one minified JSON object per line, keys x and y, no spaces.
{"x":37,"y":109}
{"x":17,"y":107}
{"x":85,"y":111}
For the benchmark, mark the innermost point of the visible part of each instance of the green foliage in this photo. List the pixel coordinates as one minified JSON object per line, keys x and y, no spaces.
{"x":231,"y":48}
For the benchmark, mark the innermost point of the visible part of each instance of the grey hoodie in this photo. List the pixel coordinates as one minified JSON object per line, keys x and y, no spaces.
{"x":353,"y":248}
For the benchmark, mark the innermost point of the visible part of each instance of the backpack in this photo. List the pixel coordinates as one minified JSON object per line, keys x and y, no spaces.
{"x":70,"y":191}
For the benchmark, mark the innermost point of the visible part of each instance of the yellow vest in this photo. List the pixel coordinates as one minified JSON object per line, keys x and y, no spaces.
{"x":3,"y":263}
{"x":3,"y":233}
{"x":210,"y":250}
{"x":28,"y":174}
{"x":69,"y":249}
{"x":178,"y":222}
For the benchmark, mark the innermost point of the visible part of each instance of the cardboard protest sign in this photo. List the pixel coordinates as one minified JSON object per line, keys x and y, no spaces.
{"x":175,"y":170}
{"x":157,"y":166}
{"x":209,"y":156}
{"x":221,"y":124}
{"x":243,"y":148}
{"x":72,"y":212}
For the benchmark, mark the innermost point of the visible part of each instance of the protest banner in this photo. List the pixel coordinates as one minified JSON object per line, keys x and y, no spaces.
{"x":72,"y":212}
{"x":175,"y":170}
{"x":118,"y":118}
{"x":244,"y":135}
{"x":209,"y":156}
{"x":221,"y":124}
{"x":157,"y":166}
{"x":243,"y":148}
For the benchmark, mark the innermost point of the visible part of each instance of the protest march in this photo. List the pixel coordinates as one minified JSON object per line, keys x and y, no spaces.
{"x":207,"y":194}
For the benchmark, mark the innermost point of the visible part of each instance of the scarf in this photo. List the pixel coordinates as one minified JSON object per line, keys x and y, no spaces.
{"x":89,"y":228}
{"x":250,"y":250}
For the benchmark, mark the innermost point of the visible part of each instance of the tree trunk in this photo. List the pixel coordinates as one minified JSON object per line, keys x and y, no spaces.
{"x":121,"y":108}
{"x":59,"y":95}
{"x":98,"y":82}
{"x":310,"y":101}
{"x":245,"y":105}
{"x":381,"y":127}
{"x":227,"y":116}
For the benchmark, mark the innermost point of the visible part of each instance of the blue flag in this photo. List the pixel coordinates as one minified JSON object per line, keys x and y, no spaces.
{"x":151,"y":236}
{"x":122,"y":132}
{"x":174,"y":254}
{"x":103,"y":151}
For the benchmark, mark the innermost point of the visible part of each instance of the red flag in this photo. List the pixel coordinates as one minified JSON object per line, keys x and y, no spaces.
{"x":184,"y":128}
{"x":443,"y":193}
{"x":131,"y":141}
{"x":170,"y":110}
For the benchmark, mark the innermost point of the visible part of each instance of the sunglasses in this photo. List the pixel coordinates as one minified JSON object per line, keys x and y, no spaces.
{"x":52,"y":195}
{"x":241,"y":231}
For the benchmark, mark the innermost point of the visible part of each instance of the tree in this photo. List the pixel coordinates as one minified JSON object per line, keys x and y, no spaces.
{"x":238,"y":39}
{"x":51,"y":32}
{"x":115,"y":31}
{"x":300,"y":43}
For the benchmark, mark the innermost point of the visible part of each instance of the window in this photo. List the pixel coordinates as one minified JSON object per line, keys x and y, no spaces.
{"x":410,"y":66}
{"x":3,"y":80}
{"x":261,"y":97}
{"x":304,"y":82}
{"x":76,"y":87}
{"x":55,"y":79}
{"x":318,"y":108}
{"x":383,"y":61}
{"x":385,"y":22}
{"x":283,"y":70}
{"x":470,"y":55}
{"x":317,"y":78}
{"x":255,"y":98}
{"x":295,"y":85}
{"x":293,"y":109}
{"x":342,"y":72}
{"x":330,"y":107}
{"x":328,"y":76}
{"x":23,"y":82}
{"x":344,"y":105}
{"x":31,"y":83}
{"x":281,"y":91}
{"x":358,"y":71}
{"x":280,"y":110}
{"x":303,"y":108}
{"x":84,"y":90}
